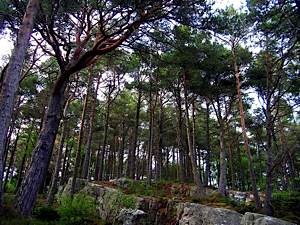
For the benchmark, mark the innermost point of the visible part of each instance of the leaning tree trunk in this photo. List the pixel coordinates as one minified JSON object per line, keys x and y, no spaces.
{"x":244,"y":131}
{"x":27,"y":194}
{"x":55,"y":177}
{"x":12,"y":76}
{"x":11,"y":160}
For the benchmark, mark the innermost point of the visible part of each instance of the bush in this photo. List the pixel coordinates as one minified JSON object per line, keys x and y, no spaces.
{"x":81,"y":209}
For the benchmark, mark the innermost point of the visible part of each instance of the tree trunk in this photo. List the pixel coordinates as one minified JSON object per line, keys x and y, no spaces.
{"x":207,"y":178}
{"x":121,"y":151}
{"x":12,"y":77}
{"x":66,"y":163}
{"x":244,"y":130}
{"x":132,"y":161}
{"x":11,"y":160}
{"x":160,"y":141}
{"x":230,"y":158}
{"x":87,"y":156}
{"x":55,"y":177}
{"x":269,"y":127}
{"x":80,"y":135}
{"x":223,"y":163}
{"x":23,"y":161}
{"x":179,"y":131}
{"x":27,"y":194}
{"x":150,"y":140}
{"x":195,"y":171}
{"x":101,"y":154}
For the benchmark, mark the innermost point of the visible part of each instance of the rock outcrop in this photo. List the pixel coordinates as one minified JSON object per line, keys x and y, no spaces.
{"x":131,"y":217}
{"x":122,"y":209}
{"x":259,"y":219}
{"x":197,"y":214}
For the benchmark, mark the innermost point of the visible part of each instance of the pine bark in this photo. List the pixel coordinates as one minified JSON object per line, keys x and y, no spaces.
{"x":132,"y":160}
{"x":196,"y":175}
{"x":87,"y":156}
{"x":99,"y":167}
{"x":269,"y":127}
{"x":150,"y":139}
{"x":244,"y":130}
{"x":223,"y":163}
{"x":55,"y":177}
{"x":28,"y":191}
{"x":180,"y":143}
{"x":121,"y":151}
{"x":76,"y":169}
{"x":207,"y":176}
{"x":12,"y":77}
{"x":11,"y":159}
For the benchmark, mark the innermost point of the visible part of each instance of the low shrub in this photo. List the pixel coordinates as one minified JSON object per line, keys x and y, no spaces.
{"x":79,"y":210}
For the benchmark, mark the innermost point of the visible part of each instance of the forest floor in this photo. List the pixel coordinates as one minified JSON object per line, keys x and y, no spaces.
{"x":286,"y":204}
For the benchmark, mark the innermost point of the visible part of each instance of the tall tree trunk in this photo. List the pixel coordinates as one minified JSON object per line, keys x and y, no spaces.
{"x":150,"y":140}
{"x":66,"y":163}
{"x":269,"y":127}
{"x":230,"y":159}
{"x":195,"y":171}
{"x":99,"y":168}
{"x":241,"y":170}
{"x":269,"y":178}
{"x":244,"y":130}
{"x":132,"y":160}
{"x":55,"y":177}
{"x":12,"y":77}
{"x":27,"y":194}
{"x":159,"y":169}
{"x":80,"y":135}
{"x":207,"y":177}
{"x":121,"y":151}
{"x":223,"y":163}
{"x":11,"y":160}
{"x":87,"y":156}
{"x":179,"y":130}
{"x":23,"y":161}
{"x":11,"y":128}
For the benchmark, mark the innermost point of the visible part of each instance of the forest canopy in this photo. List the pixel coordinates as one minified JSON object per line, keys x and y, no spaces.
{"x":178,"y":91}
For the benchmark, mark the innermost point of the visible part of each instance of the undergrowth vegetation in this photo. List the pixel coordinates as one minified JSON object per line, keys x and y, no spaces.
{"x":79,"y":210}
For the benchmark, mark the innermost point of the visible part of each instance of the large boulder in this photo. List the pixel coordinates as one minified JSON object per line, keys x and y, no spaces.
{"x":259,"y":219}
{"x":197,"y":214}
{"x":110,"y":201}
{"x":131,"y":217}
